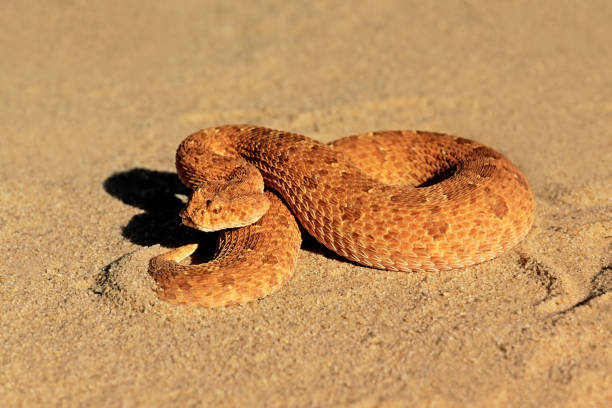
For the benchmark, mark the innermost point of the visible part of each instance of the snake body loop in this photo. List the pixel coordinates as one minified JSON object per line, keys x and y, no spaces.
{"x":395,"y":200}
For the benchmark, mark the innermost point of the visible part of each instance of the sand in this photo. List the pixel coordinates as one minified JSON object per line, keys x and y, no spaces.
{"x":94,"y":101}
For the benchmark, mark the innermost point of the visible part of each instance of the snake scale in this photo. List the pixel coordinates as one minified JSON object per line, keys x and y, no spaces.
{"x":393,"y":200}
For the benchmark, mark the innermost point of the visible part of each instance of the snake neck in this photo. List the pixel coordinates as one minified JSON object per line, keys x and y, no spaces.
{"x":292,"y":163}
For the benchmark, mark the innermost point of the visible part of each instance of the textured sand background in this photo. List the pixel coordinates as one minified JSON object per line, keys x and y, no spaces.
{"x":94,"y":101}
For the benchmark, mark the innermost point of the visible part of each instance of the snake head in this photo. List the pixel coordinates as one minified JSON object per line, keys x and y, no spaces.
{"x":233,"y":201}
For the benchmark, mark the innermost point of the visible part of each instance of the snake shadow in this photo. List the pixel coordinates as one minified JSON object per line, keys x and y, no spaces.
{"x":157,"y":194}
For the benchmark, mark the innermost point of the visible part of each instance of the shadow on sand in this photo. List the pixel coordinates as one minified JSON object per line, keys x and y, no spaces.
{"x":156,"y":192}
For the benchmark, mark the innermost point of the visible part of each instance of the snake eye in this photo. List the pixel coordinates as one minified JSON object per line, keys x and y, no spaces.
{"x":214,"y":208}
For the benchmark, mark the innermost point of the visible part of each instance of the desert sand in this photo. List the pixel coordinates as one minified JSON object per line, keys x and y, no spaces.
{"x":94,"y":101}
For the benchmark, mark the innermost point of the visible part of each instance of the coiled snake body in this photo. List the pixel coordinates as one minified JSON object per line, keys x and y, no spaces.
{"x":394,"y":200}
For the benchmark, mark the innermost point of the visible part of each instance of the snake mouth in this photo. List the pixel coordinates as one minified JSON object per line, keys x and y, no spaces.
{"x":191,"y":224}
{"x":188,"y":221}
{"x":209,"y":223}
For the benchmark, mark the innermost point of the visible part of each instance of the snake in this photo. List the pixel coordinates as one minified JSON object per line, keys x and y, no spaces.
{"x":408,"y":201}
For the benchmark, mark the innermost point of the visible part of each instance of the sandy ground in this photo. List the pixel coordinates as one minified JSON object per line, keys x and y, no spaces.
{"x":94,"y":101}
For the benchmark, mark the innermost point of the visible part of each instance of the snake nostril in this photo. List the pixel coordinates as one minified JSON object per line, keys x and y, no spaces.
{"x":208,"y":203}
